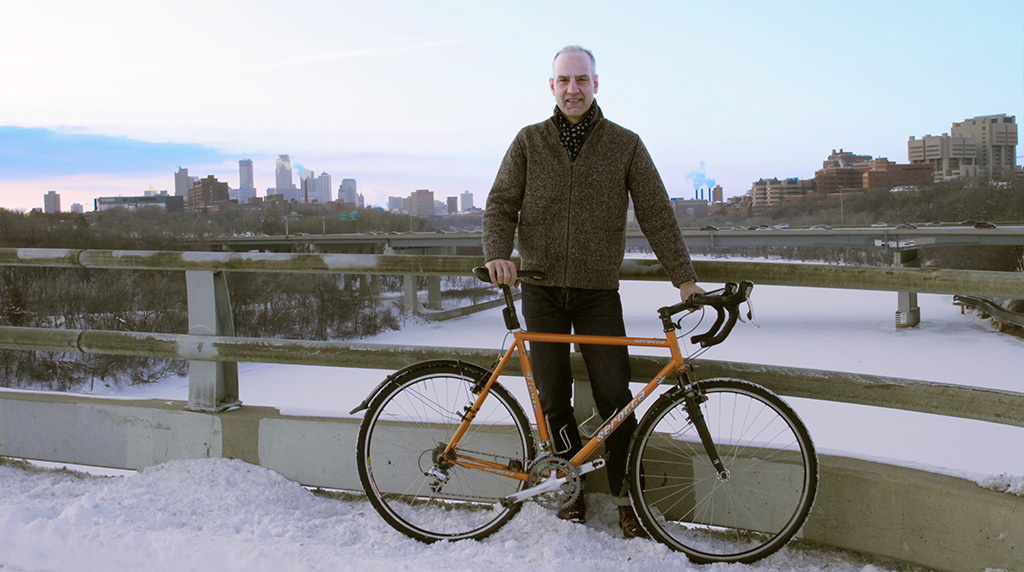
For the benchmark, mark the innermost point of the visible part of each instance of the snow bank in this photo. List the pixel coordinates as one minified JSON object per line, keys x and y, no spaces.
{"x":223,"y":515}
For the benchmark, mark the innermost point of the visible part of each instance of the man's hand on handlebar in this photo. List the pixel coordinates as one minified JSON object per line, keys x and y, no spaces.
{"x":687,"y":289}
{"x":502,"y":272}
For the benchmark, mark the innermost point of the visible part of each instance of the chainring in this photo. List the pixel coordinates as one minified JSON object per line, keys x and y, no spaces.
{"x":543,"y":468}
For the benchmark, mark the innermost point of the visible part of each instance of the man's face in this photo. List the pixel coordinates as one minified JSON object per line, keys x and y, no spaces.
{"x":573,"y":85}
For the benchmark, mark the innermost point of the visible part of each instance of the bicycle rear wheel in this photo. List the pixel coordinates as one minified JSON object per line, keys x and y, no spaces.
{"x":755,"y":510}
{"x":410,"y":421}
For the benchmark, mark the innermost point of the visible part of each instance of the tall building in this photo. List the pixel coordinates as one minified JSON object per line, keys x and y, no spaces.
{"x":453,"y":205}
{"x":347,"y":191}
{"x":323,"y":188}
{"x":949,"y":156}
{"x":51,"y":202}
{"x":467,"y":200}
{"x":283,"y":179}
{"x":422,"y":203}
{"x":996,"y":139}
{"x":307,"y":192}
{"x":181,"y":182}
{"x":246,"y":182}
{"x":395,"y":204}
{"x":206,"y":192}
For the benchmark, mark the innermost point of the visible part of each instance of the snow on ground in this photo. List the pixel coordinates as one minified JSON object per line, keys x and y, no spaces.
{"x":226,"y":515}
{"x":223,"y":515}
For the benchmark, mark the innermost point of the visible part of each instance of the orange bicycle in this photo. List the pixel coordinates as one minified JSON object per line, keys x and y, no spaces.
{"x":720,"y":469}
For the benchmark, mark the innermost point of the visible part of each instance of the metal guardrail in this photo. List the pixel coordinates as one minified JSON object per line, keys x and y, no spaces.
{"x":992,"y":309}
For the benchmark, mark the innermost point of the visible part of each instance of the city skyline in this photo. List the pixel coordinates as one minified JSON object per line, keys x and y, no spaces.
{"x":730,"y":94}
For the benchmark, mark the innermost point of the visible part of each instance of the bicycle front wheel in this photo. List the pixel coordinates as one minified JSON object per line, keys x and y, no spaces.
{"x":410,"y":422}
{"x":748,"y":513}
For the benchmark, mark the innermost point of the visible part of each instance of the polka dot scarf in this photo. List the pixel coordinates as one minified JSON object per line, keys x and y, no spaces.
{"x":573,"y":135}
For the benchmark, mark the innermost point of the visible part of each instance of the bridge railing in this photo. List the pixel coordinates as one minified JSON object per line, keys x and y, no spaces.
{"x":862,"y":505}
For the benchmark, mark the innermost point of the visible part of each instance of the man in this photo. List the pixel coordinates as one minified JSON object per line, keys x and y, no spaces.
{"x":565,"y":184}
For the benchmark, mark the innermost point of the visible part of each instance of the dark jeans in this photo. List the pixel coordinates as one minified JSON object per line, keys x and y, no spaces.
{"x":587,"y":312}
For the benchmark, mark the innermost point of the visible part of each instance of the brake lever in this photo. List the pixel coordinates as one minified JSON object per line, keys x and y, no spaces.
{"x":750,"y":314}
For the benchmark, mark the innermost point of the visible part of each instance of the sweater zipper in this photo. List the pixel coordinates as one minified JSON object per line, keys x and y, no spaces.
{"x":568,"y":218}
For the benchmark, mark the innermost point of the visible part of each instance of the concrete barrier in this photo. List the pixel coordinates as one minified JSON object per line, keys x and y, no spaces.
{"x":942,"y":522}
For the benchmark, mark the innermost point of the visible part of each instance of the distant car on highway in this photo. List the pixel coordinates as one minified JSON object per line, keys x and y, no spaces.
{"x":984,"y":224}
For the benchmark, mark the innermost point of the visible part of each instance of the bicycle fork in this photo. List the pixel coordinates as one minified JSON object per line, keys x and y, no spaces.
{"x":694,"y":397}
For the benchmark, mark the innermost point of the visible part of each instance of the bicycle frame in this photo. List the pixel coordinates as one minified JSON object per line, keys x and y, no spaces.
{"x":676,"y":363}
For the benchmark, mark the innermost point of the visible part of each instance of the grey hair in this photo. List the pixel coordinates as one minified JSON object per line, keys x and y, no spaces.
{"x":578,"y":50}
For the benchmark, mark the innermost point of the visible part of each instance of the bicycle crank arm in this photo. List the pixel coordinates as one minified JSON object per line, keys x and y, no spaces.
{"x":549,"y":485}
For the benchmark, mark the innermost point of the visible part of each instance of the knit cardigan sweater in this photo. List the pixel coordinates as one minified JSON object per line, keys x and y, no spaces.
{"x":571,"y":215}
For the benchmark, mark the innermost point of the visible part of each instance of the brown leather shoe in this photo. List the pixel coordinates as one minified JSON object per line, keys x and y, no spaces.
{"x":631,"y":527}
{"x":576,"y":511}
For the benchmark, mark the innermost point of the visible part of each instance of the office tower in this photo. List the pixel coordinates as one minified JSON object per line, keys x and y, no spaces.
{"x":307,"y":178}
{"x":422,"y":203}
{"x":246,"y":183}
{"x":181,"y":182}
{"x":996,"y":139}
{"x":51,"y":202}
{"x":323,"y":188}
{"x":949,"y":157}
{"x":453,"y":205}
{"x":395,"y":204}
{"x":467,"y":201}
{"x":77,"y":208}
{"x":347,"y":191}
{"x":283,"y":176}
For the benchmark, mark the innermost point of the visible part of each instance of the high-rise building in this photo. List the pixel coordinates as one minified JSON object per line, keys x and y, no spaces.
{"x":307,"y":192}
{"x":246,"y":182}
{"x":395,"y":204}
{"x":283,"y":178}
{"x":996,"y":139}
{"x":323,"y":188}
{"x":347,"y":191}
{"x":467,"y":200}
{"x":950,"y":157}
{"x":181,"y":182}
{"x":51,"y":202}
{"x":422,"y":203}
{"x":77,"y":208}
{"x":453,"y":205}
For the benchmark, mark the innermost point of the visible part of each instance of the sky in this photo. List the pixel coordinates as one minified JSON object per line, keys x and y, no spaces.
{"x":112,"y":96}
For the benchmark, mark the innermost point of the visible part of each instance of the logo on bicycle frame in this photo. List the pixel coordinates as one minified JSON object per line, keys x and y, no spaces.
{"x":619,"y":417}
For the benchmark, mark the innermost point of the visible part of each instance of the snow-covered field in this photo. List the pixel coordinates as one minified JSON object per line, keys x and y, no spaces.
{"x":226,"y":515}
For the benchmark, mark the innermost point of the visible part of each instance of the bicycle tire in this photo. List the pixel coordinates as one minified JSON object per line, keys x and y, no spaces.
{"x":405,"y":424}
{"x":772,"y":482}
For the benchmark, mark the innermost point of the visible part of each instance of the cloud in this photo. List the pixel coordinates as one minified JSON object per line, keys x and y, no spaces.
{"x":33,"y":152}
